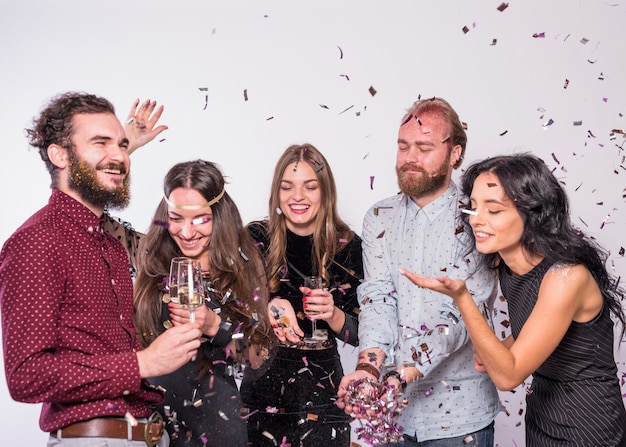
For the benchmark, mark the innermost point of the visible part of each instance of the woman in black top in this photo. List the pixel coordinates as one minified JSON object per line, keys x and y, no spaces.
{"x":562,"y":303}
{"x":294,"y":401}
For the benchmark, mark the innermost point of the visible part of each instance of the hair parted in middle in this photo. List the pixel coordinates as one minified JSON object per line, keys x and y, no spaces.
{"x":235,"y":261}
{"x":331,"y":233}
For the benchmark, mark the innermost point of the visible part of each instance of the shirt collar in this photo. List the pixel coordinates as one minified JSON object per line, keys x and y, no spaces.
{"x":437,"y":206}
{"x":77,"y":211}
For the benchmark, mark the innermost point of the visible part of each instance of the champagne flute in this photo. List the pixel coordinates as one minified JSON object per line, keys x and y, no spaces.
{"x":313,"y":282}
{"x":190,"y":285}
{"x":173,"y":279}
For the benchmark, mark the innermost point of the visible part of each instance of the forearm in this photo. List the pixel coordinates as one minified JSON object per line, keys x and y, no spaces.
{"x":371,"y":360}
{"x":349,"y":332}
{"x":337,"y":321}
{"x":494,"y":354}
{"x":78,"y":378}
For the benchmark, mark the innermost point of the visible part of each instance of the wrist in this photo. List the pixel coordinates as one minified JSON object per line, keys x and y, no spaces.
{"x":369,"y":368}
{"x":224,"y":334}
{"x":397,"y":376}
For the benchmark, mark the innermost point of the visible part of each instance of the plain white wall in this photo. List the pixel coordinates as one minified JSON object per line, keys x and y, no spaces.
{"x":307,"y":68}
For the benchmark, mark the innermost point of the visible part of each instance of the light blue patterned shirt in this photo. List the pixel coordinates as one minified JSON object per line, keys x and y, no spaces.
{"x":422,"y":327}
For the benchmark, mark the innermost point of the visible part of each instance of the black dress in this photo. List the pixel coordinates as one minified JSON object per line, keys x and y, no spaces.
{"x":575,"y":397}
{"x":294,"y":400}
{"x":203,"y":408}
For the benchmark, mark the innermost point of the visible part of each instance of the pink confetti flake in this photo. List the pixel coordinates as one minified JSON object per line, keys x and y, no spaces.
{"x":371,"y":182}
{"x":539,"y":35}
{"x":340,"y":52}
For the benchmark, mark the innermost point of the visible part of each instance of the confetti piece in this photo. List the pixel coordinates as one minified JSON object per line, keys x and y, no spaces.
{"x":371,"y":182}
{"x":502,"y":6}
{"x":345,"y":110}
{"x":539,"y":35}
{"x":340,"y":52}
{"x":566,"y":83}
{"x":345,"y":76}
{"x":372,"y":91}
{"x":245,"y":94}
{"x":504,"y":133}
{"x":465,"y":30}
{"x":131,"y":419}
{"x":493,"y":42}
{"x":206,"y":96}
{"x":470,"y":212}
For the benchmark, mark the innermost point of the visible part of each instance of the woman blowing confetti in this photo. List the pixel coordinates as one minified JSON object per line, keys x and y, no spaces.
{"x":294,"y":402}
{"x":197,"y":218}
{"x":560,"y":297}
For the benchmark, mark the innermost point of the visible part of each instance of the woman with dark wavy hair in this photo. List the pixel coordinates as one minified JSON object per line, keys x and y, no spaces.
{"x":560,"y":297}
{"x":197,"y":218}
{"x":294,"y":401}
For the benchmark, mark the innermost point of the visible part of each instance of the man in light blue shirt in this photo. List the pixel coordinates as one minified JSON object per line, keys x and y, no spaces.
{"x":418,"y":335}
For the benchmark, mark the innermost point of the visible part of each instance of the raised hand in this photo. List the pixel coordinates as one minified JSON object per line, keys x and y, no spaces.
{"x":140,"y":124}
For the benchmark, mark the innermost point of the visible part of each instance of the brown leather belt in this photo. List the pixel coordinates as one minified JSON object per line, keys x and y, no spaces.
{"x":150,"y":432}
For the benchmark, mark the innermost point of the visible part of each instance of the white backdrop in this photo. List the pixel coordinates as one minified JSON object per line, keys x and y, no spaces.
{"x":546,"y":76}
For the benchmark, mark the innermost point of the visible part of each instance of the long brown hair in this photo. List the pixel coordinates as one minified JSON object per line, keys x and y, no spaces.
{"x":331,"y":233}
{"x":235,"y":261}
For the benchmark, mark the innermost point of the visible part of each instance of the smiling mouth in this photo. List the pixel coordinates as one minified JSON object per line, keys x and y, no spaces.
{"x":481,"y":235}
{"x":299,"y":207}
{"x":114,"y":169}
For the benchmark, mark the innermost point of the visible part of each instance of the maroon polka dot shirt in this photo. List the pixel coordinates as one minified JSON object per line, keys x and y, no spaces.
{"x":67,"y":318}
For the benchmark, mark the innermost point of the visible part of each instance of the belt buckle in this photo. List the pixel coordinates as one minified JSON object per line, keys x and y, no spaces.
{"x":154,"y":429}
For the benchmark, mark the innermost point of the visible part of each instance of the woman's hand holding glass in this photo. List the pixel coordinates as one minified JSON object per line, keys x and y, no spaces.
{"x":318,"y":304}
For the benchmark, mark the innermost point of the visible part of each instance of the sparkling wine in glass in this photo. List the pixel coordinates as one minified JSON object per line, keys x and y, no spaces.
{"x":173,"y":279}
{"x":313,"y":282}
{"x":190,"y":286}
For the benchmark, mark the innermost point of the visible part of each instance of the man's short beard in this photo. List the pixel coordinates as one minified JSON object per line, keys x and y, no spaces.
{"x":418,"y":186}
{"x":83,"y":179}
{"x":421,"y":185}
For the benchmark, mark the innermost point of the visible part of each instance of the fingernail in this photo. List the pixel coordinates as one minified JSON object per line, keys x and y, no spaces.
{"x":305,"y":306}
{"x":304,"y":299}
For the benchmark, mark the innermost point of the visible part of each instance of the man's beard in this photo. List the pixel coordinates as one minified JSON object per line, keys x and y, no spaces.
{"x":419,"y":185}
{"x":84,"y":180}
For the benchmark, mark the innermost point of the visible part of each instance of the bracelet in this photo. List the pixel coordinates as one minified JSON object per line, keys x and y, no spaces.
{"x":368,"y":367}
{"x":395,"y":374}
{"x":224,"y":334}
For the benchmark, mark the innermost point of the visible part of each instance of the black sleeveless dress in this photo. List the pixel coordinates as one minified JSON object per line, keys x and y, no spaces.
{"x":575,"y":397}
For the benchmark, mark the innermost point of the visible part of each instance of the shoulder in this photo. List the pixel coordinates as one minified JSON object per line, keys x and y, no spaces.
{"x":259,"y":231}
{"x":567,"y":275}
{"x":384,"y":210}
